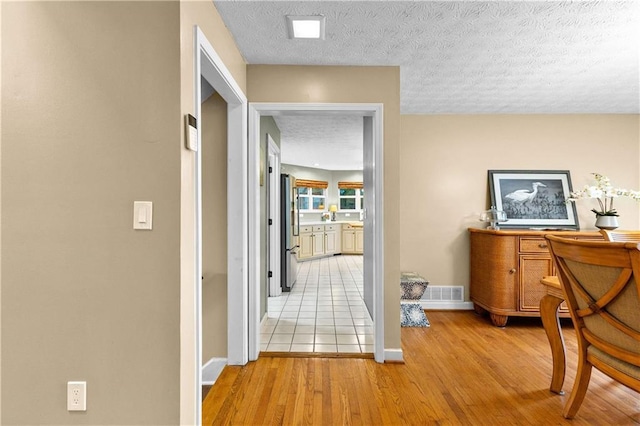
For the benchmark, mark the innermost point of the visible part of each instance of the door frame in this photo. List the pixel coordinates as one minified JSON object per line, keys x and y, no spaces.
{"x":273,"y":213}
{"x":209,"y":65}
{"x":374,"y":219}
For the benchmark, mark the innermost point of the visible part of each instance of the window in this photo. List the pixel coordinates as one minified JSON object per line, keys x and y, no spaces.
{"x":351,"y":195}
{"x":312,"y":194}
{"x":351,"y":199}
{"x":311,"y":198}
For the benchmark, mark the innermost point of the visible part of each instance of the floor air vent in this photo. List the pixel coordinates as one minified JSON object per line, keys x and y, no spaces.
{"x":444,"y":294}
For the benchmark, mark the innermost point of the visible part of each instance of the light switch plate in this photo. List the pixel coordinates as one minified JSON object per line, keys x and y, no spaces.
{"x":143,"y":215}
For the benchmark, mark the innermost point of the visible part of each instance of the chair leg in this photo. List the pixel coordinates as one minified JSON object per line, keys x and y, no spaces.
{"x":579,"y":390}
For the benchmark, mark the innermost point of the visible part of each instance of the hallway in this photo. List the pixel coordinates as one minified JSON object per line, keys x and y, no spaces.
{"x":324,"y":312}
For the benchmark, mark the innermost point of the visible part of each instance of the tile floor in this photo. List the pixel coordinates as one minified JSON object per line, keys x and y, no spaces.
{"x":324,"y":312}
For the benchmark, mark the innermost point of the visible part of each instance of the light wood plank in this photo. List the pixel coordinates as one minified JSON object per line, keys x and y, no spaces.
{"x":461,"y":370}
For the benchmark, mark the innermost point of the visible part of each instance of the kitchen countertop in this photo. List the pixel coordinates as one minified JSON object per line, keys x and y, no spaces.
{"x":328,"y":222}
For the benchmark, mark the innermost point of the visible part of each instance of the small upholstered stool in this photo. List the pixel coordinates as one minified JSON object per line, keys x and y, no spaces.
{"x":412,"y":287}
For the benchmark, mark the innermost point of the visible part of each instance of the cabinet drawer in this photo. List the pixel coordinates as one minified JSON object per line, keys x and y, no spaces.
{"x":533,"y":245}
{"x":306,"y":229}
{"x":331,"y":227}
{"x":349,"y":226}
{"x":318,"y":228}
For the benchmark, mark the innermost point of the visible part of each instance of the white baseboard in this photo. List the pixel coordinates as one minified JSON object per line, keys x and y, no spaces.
{"x":447,"y":305}
{"x":393,"y":355}
{"x":212,"y":369}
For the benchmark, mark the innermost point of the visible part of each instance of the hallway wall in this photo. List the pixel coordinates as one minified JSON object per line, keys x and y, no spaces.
{"x":444,"y":184}
{"x":91,"y":104}
{"x":329,"y":84}
{"x":93,"y":101}
{"x":269,"y":127}
{"x":214,"y":228}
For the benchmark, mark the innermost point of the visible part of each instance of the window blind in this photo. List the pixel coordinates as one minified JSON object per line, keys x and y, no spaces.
{"x":307,"y":183}
{"x":350,"y":185}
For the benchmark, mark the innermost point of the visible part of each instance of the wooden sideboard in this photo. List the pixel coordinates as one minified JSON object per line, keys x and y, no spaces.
{"x":506,"y":267}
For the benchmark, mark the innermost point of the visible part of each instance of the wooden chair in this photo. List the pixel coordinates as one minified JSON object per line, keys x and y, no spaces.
{"x":601,"y":283}
{"x":626,"y":236}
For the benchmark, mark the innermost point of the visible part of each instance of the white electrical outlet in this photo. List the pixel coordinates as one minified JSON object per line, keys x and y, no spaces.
{"x":76,"y":396}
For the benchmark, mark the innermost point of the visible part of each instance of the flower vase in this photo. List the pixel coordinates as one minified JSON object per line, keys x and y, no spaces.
{"x":606,"y":222}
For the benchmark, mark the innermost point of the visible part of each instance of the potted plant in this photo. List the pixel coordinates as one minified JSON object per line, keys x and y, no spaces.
{"x":604,"y":193}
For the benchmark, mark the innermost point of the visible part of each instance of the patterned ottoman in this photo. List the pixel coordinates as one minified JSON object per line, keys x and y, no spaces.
{"x":412,"y":287}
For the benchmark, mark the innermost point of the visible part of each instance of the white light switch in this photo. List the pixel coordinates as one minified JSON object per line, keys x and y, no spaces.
{"x":142,"y":215}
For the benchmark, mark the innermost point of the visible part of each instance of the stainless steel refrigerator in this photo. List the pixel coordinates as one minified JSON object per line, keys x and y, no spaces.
{"x":290,"y":228}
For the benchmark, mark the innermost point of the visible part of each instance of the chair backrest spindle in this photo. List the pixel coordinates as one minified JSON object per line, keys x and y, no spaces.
{"x":620,"y":236}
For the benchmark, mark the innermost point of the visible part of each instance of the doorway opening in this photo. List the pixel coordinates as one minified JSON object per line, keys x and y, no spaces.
{"x":372,"y":262}
{"x":317,"y":306}
{"x":209,"y":67}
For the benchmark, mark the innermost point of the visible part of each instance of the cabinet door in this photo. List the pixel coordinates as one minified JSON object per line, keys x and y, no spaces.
{"x":348,"y":241}
{"x":317,"y":241}
{"x":532,"y":269}
{"x":493,"y":278}
{"x":359,"y":240}
{"x":306,"y":246}
{"x":330,"y":246}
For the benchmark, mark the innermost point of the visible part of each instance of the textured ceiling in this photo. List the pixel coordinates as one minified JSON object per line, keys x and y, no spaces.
{"x":324,"y":142}
{"x":465,"y":57}
{"x":459,"y":57}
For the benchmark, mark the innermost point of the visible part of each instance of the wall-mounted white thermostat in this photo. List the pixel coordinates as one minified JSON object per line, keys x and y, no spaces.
{"x":191,"y":127}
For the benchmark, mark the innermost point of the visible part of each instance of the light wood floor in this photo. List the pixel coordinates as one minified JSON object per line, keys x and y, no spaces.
{"x":461,"y":371}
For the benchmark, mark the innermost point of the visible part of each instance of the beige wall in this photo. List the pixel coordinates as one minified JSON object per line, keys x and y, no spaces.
{"x":273,"y":83}
{"x":95,"y":104}
{"x":443,"y":175}
{"x":204,"y":14}
{"x":90,"y":123}
{"x":214,"y":228}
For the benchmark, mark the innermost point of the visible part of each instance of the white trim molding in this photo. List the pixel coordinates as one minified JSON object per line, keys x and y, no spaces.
{"x":214,"y":71}
{"x":209,"y":65}
{"x":374,"y":220}
{"x":448,"y":305}
{"x":393,"y":355}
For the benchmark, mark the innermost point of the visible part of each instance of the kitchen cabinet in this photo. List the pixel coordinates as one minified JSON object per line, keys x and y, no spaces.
{"x":360,"y":241}
{"x":332,"y":239}
{"x":352,"y":239}
{"x":506,"y":267}
{"x":305,"y":249}
{"x":318,"y":240}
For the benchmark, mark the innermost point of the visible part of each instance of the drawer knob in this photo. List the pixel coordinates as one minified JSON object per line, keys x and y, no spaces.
{"x":542,"y":245}
{"x":512,"y":270}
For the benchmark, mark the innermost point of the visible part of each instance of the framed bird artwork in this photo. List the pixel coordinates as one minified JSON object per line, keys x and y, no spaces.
{"x":535,"y":199}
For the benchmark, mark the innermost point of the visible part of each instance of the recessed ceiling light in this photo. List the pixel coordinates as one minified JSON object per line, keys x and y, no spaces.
{"x":306,"y":26}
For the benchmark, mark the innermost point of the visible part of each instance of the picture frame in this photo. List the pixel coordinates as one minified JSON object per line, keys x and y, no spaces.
{"x":534,"y":199}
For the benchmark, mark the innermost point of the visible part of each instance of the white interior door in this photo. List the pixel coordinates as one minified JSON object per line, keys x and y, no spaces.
{"x":368,"y":215}
{"x":274,"y":215}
